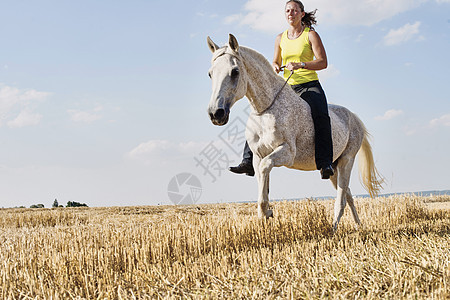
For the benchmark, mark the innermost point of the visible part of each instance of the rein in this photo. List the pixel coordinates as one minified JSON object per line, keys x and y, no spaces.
{"x":223,"y":52}
{"x":278,"y":94}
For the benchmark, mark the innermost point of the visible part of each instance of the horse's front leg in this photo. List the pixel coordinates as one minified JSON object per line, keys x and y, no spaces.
{"x":263,"y":195}
{"x":281,"y":156}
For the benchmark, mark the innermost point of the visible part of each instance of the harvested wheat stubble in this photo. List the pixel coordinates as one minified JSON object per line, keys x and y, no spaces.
{"x":224,"y":250}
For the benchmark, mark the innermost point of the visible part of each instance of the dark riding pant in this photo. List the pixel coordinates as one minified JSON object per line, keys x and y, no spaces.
{"x":314,"y":95}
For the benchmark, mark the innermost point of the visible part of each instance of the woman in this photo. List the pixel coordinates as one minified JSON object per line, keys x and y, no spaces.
{"x":296,"y":48}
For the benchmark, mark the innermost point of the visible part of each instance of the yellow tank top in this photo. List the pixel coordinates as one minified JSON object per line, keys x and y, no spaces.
{"x":298,"y":50}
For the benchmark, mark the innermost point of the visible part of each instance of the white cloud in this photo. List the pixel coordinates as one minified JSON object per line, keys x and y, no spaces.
{"x":330,"y":72}
{"x":268,"y":15}
{"x":410,"y":131}
{"x":390,"y":114}
{"x":361,"y":12}
{"x":260,"y":15}
{"x":232,"y":19}
{"x":402,"y":34}
{"x":98,"y":108}
{"x":81,"y":116}
{"x":149,"y":147}
{"x":359,"y":38}
{"x":204,"y":14}
{"x":442,"y":121}
{"x":163,"y":151}
{"x":25,"y":118}
{"x":16,"y":106}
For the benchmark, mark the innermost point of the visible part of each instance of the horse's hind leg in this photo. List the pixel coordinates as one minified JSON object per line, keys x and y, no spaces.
{"x":352,"y":207}
{"x":348,"y":196}
{"x":344,"y":169}
{"x":334,"y":177}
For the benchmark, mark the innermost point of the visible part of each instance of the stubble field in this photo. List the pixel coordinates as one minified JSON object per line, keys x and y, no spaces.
{"x":402,"y":251}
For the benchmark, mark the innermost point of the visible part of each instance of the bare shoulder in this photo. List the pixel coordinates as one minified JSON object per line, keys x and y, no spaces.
{"x":314,"y":37}
{"x":278,"y":38}
{"x":313,"y":34}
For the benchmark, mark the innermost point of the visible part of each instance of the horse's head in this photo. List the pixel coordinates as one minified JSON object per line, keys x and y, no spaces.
{"x":228,"y":77}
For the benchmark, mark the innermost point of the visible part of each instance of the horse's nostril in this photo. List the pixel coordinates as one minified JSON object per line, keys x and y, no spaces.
{"x":219,"y":114}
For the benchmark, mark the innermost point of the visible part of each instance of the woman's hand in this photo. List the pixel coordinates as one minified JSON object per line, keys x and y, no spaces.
{"x":292,"y":66}
{"x":276,"y":67}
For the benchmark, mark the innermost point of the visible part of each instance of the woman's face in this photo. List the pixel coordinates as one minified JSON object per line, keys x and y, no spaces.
{"x":293,"y":13}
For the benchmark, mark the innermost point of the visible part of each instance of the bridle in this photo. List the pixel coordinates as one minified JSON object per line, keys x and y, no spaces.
{"x":223,"y":52}
{"x":278,"y":94}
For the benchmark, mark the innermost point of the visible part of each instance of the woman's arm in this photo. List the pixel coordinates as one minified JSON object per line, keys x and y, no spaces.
{"x":277,"y":61}
{"x":317,"y":64}
{"x":321,"y":61}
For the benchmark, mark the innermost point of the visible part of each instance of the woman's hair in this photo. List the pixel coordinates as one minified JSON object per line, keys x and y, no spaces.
{"x":310,"y":17}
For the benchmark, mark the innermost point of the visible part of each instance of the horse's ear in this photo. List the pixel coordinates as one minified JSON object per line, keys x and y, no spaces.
{"x":212,"y":46}
{"x":233,"y":43}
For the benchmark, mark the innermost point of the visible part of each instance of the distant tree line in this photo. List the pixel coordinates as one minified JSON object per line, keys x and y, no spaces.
{"x":37,"y":206}
{"x":75,"y":204}
{"x":56,"y":204}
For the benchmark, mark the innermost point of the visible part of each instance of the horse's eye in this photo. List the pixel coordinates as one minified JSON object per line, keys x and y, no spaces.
{"x":209,"y":74}
{"x":234,"y":72}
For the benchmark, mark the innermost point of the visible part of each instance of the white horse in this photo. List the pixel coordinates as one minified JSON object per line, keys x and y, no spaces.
{"x":280,"y":130}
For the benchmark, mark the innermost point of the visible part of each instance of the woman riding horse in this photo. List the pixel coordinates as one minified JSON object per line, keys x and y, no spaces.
{"x":296,"y":48}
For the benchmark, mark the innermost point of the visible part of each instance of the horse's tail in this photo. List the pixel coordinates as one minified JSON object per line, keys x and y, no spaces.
{"x":370,"y":178}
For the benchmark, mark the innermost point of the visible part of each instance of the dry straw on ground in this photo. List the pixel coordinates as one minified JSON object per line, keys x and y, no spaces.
{"x":224,"y":251}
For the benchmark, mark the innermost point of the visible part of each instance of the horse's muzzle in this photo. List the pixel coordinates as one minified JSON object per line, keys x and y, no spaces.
{"x":219,"y":116}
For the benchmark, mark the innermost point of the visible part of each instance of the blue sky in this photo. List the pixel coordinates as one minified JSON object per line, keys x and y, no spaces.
{"x":104,"y":102}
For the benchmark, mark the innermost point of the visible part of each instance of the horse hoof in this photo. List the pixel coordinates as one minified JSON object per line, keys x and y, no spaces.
{"x":269,"y":214}
{"x":334,"y":228}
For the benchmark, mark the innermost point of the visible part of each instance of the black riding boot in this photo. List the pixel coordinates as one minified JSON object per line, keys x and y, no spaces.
{"x":246,"y":166}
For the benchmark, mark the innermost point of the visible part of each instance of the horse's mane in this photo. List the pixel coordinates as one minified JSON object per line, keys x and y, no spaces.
{"x":262,"y":71}
{"x":249,"y":52}
{"x":260,"y":62}
{"x":259,"y":67}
